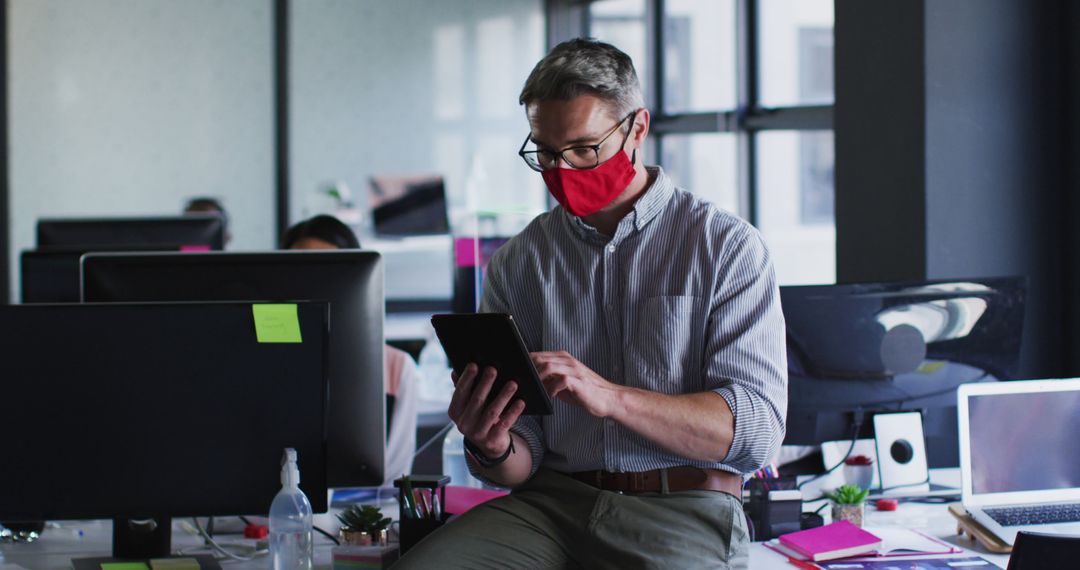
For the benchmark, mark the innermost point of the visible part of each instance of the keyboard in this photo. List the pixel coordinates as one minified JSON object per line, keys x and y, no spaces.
{"x":1035,"y":514}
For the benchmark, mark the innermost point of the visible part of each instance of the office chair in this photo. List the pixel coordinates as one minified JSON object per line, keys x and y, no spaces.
{"x":1036,"y":551}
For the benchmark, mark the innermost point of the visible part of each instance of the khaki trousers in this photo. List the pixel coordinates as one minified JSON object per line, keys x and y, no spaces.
{"x":554,"y":521}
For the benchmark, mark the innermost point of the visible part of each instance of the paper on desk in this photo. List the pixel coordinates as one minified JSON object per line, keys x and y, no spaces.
{"x":896,"y":541}
{"x":922,"y":564}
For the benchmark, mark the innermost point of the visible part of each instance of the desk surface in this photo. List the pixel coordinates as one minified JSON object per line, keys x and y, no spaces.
{"x":932,"y":519}
{"x":66,"y":540}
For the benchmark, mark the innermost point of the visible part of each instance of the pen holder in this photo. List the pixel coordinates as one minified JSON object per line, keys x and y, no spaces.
{"x":416,"y":519}
{"x":775,"y":507}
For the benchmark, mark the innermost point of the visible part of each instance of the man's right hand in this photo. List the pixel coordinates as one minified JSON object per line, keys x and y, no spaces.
{"x":487,"y":427}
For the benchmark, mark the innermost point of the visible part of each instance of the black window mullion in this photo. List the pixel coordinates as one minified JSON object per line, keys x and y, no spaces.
{"x":689,"y":123}
{"x":800,"y":118}
{"x":654,"y":31}
{"x":746,"y":33}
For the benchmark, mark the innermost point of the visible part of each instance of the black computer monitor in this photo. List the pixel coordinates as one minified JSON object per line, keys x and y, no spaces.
{"x":408,"y":205}
{"x":51,"y":274}
{"x":132,"y":411}
{"x":351,"y":280}
{"x":191,"y":232}
{"x":859,"y":349}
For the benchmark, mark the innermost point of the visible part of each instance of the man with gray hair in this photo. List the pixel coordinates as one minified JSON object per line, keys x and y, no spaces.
{"x":654,"y":320}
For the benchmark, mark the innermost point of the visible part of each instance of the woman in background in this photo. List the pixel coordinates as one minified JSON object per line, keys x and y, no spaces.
{"x":399,"y":370}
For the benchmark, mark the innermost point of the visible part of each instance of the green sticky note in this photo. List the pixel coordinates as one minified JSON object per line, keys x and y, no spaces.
{"x":275,"y":323}
{"x":124,"y":566}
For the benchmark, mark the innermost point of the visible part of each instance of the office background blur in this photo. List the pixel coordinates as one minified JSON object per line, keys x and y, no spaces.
{"x":868,"y":140}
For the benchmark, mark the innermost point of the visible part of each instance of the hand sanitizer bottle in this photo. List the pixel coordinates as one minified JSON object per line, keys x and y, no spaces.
{"x":290,"y":521}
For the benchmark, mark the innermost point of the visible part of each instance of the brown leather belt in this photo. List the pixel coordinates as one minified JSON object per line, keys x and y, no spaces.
{"x":685,"y":478}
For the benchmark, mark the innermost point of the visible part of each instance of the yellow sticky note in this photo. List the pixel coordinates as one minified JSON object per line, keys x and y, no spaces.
{"x":124,"y":566}
{"x":274,"y":323}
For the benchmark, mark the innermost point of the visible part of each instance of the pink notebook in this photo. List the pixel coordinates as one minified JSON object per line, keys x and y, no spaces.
{"x":836,"y":540}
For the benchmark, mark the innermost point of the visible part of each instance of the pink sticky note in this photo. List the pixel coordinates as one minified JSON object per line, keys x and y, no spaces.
{"x":461,"y":499}
{"x":194,"y":248}
{"x":465,"y":252}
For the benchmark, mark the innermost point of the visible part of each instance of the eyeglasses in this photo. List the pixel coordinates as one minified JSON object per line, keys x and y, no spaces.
{"x":582,"y":157}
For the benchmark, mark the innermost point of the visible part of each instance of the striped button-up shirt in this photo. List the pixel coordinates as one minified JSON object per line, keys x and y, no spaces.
{"x":682,"y":299}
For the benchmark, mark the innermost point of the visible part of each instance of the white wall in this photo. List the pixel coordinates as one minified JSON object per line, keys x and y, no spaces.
{"x":406,"y":87}
{"x":413,"y":86}
{"x":127,"y":107}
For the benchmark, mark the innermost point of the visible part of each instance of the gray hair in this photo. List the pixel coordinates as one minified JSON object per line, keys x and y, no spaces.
{"x":585,"y":66}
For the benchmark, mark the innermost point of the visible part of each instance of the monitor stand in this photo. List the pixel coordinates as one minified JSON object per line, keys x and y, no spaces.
{"x":142,"y":538}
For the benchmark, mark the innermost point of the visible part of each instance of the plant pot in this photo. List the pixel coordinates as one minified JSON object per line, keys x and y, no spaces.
{"x":356,"y":538}
{"x":850,"y":513}
{"x":380,"y":537}
{"x":365,"y":538}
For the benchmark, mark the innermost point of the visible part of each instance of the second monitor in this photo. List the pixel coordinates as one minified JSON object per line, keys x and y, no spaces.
{"x":193,"y":232}
{"x":352,"y":281}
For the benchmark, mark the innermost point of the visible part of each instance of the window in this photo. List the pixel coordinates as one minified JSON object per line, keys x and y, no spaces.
{"x":741,"y":95}
{"x":705,"y":162}
{"x":795,"y":205}
{"x":699,"y":55}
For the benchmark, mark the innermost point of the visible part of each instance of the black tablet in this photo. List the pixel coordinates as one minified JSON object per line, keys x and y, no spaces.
{"x":492,"y":339}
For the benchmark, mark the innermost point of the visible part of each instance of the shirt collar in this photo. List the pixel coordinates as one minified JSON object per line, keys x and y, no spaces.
{"x":646,"y":208}
{"x":655,"y":198}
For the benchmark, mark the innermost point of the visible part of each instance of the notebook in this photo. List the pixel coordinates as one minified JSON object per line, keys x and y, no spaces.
{"x":837,"y":540}
{"x":895,"y":541}
{"x":1019,"y":461}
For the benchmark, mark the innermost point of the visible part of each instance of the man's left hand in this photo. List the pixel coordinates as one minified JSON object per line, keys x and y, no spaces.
{"x":567,"y":379}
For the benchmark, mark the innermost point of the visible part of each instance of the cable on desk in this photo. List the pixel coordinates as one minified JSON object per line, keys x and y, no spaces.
{"x":854,"y":437}
{"x":327,"y":535}
{"x":221,"y":549}
{"x":438,"y":436}
{"x":931,"y":500}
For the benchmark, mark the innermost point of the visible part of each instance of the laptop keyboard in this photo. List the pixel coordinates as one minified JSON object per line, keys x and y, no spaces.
{"x":1034,"y":514}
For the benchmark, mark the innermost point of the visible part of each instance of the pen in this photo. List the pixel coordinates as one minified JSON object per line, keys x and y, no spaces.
{"x":421,"y":502}
{"x":436,"y":508}
{"x":408,"y":499}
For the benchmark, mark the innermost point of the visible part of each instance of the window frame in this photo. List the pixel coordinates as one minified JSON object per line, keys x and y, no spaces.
{"x":570,"y":18}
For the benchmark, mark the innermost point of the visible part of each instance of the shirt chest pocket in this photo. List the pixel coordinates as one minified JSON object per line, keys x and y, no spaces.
{"x":667,"y":344}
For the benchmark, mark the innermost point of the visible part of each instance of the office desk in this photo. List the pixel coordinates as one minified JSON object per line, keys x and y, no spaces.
{"x":55,"y":549}
{"x":85,"y":539}
{"x":58,"y":546}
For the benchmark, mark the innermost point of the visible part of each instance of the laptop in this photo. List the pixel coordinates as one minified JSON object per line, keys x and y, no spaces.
{"x":1020,"y":455}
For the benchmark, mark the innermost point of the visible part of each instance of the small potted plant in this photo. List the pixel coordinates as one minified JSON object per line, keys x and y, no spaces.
{"x":363,"y":525}
{"x":859,"y":471}
{"x":847,"y":503}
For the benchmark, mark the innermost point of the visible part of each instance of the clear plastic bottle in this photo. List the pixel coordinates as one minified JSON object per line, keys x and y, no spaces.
{"x":290,"y":521}
{"x":453,"y":461}
{"x":435,"y":384}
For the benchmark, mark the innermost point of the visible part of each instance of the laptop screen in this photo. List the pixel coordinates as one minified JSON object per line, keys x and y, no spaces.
{"x":1024,"y":442}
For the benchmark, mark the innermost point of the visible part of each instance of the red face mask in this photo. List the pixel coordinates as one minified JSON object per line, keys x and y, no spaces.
{"x":586,"y":192}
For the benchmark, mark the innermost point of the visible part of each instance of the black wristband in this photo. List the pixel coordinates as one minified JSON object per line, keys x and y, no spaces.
{"x":485,"y":461}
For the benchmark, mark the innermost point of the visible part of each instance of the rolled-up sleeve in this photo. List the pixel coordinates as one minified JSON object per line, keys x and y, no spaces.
{"x":745,"y":356}
{"x":530,"y":430}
